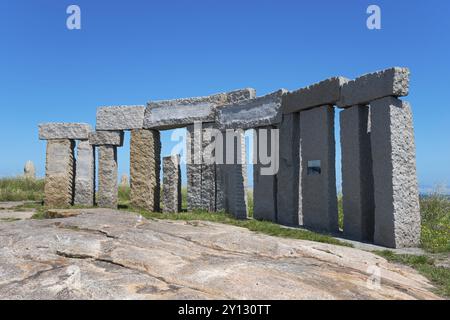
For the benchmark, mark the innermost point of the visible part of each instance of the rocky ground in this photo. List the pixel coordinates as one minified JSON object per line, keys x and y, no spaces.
{"x":108,"y":254}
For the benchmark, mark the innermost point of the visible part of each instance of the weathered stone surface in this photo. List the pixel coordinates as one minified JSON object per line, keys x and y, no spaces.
{"x":208,"y":187}
{"x":106,"y":138}
{"x":107,"y":254}
{"x":389,"y":82}
{"x":120,"y":118}
{"x":72,"y":131}
{"x":29,"y":171}
{"x":288,"y":182}
{"x":234,"y":174}
{"x":145,"y":165}
{"x":318,"y":181}
{"x":171,"y":184}
{"x":59,"y":173}
{"x":357,"y":176}
{"x":170,"y":114}
{"x":85,"y":174}
{"x":327,"y":92}
{"x":194,"y":159}
{"x":264,"y":185}
{"x":397,"y":212}
{"x":107,"y":177}
{"x":253,"y":113}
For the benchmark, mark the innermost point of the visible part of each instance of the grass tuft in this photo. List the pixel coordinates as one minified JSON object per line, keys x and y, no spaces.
{"x":21,"y":189}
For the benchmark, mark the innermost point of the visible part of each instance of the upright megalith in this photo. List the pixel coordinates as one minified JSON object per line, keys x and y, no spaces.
{"x":29,"y":171}
{"x":85,"y":174}
{"x":107,"y":143}
{"x":265,"y":144}
{"x":288,"y":183}
{"x":145,"y":159}
{"x":60,"y":161}
{"x":357,"y":176}
{"x":397,"y":212}
{"x":194,"y":161}
{"x":318,"y":171}
{"x":171,"y":184}
{"x":59,"y":173}
{"x":208,"y":175}
{"x":107,"y":177}
{"x":234,"y":174}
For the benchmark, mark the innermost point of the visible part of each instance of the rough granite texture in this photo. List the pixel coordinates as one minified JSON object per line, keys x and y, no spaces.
{"x":170,"y":114}
{"x":120,"y":118}
{"x":85,"y":174}
{"x":59,"y":173}
{"x":107,"y":177}
{"x":397,"y":212}
{"x":72,"y":131}
{"x":357,"y":176}
{"x":234,"y":175}
{"x":145,"y":165}
{"x":389,"y":82}
{"x":288,"y":181}
{"x":106,"y":138}
{"x":327,"y":92}
{"x":253,"y":113}
{"x":194,"y":160}
{"x":208,"y":187}
{"x":264,"y":186}
{"x":29,"y":170}
{"x":105,"y":254}
{"x":171,"y":184}
{"x":317,"y":142}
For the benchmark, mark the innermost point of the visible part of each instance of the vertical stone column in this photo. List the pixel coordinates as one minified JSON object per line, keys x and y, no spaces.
{"x":318,"y":172}
{"x":264,"y":185}
{"x":194,"y":168}
{"x":397,"y":212}
{"x":145,"y":155}
{"x":288,"y":182}
{"x":85,"y":174}
{"x":59,"y":173}
{"x":208,"y":177}
{"x":171,"y":184}
{"x":357,"y":176}
{"x":107,"y":177}
{"x":235,"y":174}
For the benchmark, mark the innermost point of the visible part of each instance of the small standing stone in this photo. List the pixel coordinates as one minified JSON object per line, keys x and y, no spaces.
{"x":124,"y":183}
{"x":29,"y":171}
{"x":172,"y":184}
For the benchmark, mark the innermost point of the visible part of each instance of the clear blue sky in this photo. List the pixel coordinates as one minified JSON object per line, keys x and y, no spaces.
{"x":129,"y":52}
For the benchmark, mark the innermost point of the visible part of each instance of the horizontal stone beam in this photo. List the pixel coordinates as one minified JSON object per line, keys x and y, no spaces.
{"x":327,"y":92}
{"x":390,"y":82}
{"x":120,"y":118}
{"x":104,"y":138}
{"x":170,"y":114}
{"x":253,"y":113}
{"x":71,"y":131}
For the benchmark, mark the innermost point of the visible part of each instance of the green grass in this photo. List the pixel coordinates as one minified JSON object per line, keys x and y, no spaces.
{"x":21,"y":189}
{"x":435,"y":211}
{"x":439,"y":276}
